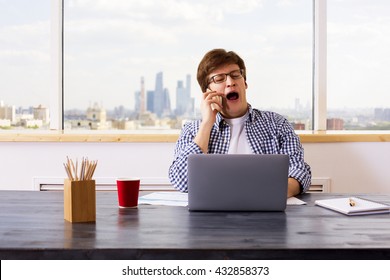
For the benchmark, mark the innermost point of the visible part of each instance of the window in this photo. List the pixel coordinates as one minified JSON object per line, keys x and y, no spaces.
{"x":132,"y":64}
{"x":24,"y":64}
{"x":358,"y":60}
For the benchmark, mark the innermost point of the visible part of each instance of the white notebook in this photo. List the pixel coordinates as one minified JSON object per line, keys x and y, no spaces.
{"x":359,"y":206}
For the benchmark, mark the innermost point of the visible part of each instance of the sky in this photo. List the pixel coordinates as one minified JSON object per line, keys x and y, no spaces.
{"x":111,"y":44}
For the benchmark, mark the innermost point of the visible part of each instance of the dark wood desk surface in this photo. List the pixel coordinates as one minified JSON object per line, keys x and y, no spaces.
{"x":32,"y":227}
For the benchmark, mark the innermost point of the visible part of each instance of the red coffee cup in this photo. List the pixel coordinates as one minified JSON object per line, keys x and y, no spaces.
{"x":128,"y":190}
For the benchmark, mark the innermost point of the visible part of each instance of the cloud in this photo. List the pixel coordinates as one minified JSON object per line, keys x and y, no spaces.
{"x":33,"y":34}
{"x":167,"y":9}
{"x":25,"y":44}
{"x":141,"y":24}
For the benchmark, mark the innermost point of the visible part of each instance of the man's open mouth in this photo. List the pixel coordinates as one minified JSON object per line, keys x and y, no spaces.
{"x":232,"y":95}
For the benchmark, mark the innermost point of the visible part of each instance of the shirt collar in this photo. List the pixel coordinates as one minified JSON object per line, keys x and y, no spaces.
{"x":220,"y":119}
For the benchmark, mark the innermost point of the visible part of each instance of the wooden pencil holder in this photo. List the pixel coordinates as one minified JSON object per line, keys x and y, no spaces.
{"x":79,"y":201}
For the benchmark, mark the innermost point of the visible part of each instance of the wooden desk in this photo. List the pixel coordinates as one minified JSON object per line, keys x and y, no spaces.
{"x":32,"y":227}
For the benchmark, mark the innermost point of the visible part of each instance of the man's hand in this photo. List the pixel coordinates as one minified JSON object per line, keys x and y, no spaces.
{"x":294,"y":188}
{"x":209,"y":114}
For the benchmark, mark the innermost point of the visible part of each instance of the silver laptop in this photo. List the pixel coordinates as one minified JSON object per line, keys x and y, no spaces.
{"x":237,"y":182}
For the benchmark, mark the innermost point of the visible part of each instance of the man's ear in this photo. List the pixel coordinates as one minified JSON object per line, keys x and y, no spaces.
{"x":246,"y":85}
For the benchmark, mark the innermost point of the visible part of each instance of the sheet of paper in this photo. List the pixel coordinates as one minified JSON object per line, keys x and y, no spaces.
{"x":360,"y":206}
{"x":165,"y":198}
{"x":181,"y":199}
{"x":295,"y":201}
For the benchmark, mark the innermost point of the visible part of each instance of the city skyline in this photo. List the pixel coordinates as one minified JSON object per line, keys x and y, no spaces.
{"x":96,"y":118}
{"x":154,"y":105}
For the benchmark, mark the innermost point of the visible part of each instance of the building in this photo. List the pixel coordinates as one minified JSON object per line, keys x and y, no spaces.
{"x":180,"y":98}
{"x":7,"y":112}
{"x":166,"y":109}
{"x":158,"y":98}
{"x":140,"y":99}
{"x":96,"y":113}
{"x":184,"y":102}
{"x":335,"y":124}
{"x":161,"y":98}
{"x":41,"y":113}
{"x":5,"y":123}
{"x":150,"y":100}
{"x":96,"y":119}
{"x":298,"y":126}
{"x":382,"y":114}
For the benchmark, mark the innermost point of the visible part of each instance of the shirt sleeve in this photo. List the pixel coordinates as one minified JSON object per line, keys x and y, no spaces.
{"x":184,"y":147}
{"x":291,"y":145}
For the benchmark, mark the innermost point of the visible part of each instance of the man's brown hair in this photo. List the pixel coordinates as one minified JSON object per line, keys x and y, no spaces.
{"x":215,"y":59}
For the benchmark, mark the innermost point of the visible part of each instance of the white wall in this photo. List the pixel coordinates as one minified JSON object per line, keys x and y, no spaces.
{"x":352,"y":167}
{"x":23,"y":161}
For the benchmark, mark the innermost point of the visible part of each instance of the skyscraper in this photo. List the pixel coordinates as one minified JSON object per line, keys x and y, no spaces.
{"x":142,"y":96}
{"x":140,"y":100}
{"x":188,"y":85}
{"x":181,"y":99}
{"x":184,"y":102}
{"x":158,"y":102}
{"x":167,"y":104}
{"x":150,"y":100}
{"x":161,"y":99}
{"x":191,"y":101}
{"x":137,"y":104}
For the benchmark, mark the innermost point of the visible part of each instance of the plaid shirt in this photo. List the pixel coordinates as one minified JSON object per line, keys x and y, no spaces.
{"x":266,"y":132}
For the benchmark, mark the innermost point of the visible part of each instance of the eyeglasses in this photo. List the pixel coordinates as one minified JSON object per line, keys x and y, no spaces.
{"x":220,"y":78}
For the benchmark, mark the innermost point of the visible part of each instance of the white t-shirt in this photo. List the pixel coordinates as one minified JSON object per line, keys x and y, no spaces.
{"x":238,"y":141}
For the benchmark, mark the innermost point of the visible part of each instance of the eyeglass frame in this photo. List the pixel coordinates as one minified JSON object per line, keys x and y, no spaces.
{"x":227,"y":74}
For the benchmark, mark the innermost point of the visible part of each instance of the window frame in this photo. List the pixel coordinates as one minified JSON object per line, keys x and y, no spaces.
{"x":319,"y":65}
{"x":57,"y":61}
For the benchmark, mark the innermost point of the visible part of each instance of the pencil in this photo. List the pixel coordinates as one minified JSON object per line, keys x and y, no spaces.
{"x":87,"y":169}
{"x":68,"y":172}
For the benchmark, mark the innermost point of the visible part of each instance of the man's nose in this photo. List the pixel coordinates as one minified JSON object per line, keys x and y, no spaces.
{"x":230,"y":81}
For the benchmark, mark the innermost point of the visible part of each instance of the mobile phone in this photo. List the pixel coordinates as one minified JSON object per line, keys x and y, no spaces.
{"x":216,"y":98}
